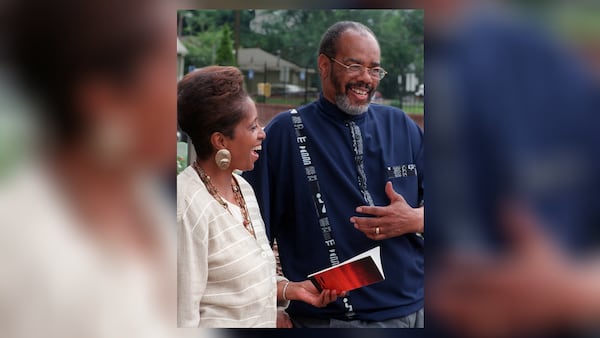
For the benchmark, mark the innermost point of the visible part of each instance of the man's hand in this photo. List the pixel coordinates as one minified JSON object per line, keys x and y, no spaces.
{"x":396,"y":219}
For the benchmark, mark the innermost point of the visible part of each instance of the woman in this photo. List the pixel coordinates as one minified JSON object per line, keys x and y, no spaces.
{"x":226,"y":267}
{"x":86,"y":231}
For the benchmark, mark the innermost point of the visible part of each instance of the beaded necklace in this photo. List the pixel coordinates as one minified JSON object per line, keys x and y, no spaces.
{"x":237,"y":193}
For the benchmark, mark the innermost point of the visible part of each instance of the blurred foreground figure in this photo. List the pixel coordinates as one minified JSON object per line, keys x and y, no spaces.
{"x":86,"y":235}
{"x":514,"y":222}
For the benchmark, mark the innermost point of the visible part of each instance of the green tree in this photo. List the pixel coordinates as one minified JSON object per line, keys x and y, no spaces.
{"x":201,"y":48}
{"x":225,"y":55}
{"x":296,"y":35}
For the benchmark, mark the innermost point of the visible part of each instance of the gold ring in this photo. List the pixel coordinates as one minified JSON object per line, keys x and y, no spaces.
{"x":377,"y":231}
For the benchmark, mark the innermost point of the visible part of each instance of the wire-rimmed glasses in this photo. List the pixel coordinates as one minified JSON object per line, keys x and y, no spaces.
{"x":375,"y":72}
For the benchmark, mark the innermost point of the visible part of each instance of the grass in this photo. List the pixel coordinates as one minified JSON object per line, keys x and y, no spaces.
{"x":410,"y":108}
{"x":418,"y":110}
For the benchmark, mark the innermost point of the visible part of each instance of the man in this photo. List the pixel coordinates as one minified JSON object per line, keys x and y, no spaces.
{"x":340,"y":176}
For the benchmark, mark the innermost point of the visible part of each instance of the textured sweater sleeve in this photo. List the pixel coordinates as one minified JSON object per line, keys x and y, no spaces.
{"x":192,"y":266}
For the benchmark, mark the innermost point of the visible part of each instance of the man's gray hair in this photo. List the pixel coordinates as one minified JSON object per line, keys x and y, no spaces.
{"x":333,"y":33}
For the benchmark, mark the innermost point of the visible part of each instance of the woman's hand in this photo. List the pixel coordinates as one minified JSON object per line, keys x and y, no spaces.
{"x":306,"y":291}
{"x":283,"y":320}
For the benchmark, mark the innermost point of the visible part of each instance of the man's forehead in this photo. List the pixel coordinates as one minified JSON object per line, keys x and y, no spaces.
{"x":355,"y":42}
{"x":352,"y":33}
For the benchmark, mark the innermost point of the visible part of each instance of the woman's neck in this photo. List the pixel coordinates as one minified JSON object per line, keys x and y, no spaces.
{"x":220,"y":179}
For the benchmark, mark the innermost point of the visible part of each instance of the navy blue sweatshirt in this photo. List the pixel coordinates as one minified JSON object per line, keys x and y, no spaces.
{"x":392,"y":151}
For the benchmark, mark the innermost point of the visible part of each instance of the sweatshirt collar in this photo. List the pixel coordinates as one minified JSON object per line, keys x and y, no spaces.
{"x":332,"y":110}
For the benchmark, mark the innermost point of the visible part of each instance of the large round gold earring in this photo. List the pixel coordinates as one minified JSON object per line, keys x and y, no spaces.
{"x":223,"y":159}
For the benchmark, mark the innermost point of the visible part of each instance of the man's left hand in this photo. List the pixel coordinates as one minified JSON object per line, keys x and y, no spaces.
{"x":396,"y":219}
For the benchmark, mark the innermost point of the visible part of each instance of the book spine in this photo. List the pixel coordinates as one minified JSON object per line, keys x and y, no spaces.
{"x":316,"y":283}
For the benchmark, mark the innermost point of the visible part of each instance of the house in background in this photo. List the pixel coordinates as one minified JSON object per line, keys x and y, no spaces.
{"x":279,"y":72}
{"x":181,"y":52}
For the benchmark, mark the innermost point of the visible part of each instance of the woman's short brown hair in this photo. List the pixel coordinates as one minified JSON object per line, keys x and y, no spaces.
{"x":210,"y":99}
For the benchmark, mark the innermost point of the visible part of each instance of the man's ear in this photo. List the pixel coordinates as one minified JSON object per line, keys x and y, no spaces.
{"x":323,"y":64}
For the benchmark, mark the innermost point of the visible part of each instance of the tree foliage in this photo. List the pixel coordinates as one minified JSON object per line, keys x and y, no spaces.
{"x":201,"y":47}
{"x":225,"y":55}
{"x":296,"y":35}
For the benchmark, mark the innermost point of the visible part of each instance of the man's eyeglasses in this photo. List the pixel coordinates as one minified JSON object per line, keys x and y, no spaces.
{"x":375,"y":72}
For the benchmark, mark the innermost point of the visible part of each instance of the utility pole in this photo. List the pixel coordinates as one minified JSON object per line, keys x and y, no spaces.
{"x":179,"y":23}
{"x":236,"y":34}
{"x":265,"y":85}
{"x":306,"y":84}
{"x":401,"y":85}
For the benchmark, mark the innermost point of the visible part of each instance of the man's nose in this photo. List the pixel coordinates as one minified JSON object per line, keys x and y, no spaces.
{"x":365,"y":77}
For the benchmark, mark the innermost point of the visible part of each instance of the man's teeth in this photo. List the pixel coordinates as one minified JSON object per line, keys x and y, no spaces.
{"x":359,"y":91}
{"x":257,"y":148}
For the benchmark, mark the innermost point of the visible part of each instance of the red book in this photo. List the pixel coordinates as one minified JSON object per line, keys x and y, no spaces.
{"x":356,"y":272}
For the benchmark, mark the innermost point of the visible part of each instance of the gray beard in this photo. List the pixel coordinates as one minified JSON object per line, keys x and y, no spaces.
{"x":344,"y":104}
